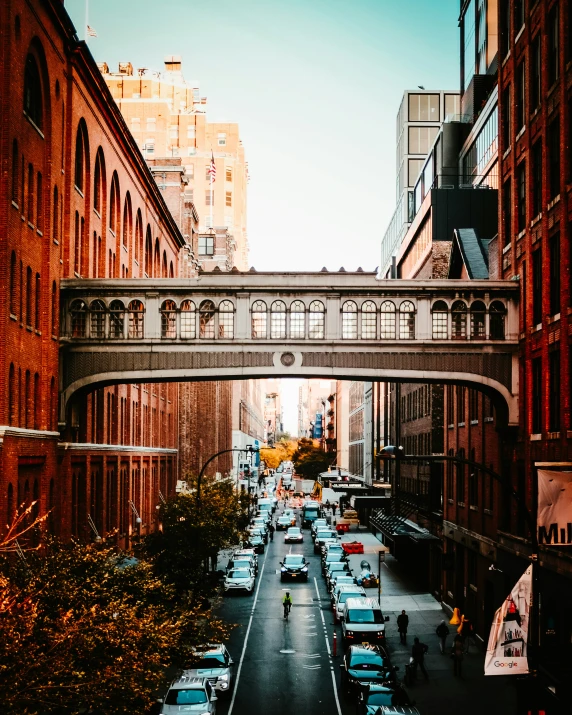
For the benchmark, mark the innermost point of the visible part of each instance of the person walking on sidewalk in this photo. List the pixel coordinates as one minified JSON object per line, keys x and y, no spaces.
{"x":402,"y":625}
{"x":458,"y":655}
{"x":271,"y":531}
{"x":465,"y":630}
{"x":418,"y":654}
{"x":442,"y":632}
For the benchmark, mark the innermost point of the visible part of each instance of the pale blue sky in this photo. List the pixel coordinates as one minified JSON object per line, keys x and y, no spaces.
{"x":315,"y":86}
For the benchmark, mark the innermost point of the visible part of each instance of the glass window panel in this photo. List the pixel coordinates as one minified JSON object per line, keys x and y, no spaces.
{"x":459,"y":320}
{"x":207,"y":320}
{"x":97,"y":322}
{"x":478,"y":319}
{"x":226,"y":320}
{"x":349,"y":320}
{"x":136,"y":318}
{"x":387,"y":320}
{"x":278,"y":320}
{"x":297,"y":320}
{"x":414,"y":167}
{"x":169,"y":319}
{"x":116,"y":319}
{"x":188,"y":320}
{"x":368,"y":321}
{"x":407,"y":321}
{"x":316,"y":320}
{"x":259,"y":320}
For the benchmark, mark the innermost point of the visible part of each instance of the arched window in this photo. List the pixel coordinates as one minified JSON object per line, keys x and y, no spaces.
{"x":54,"y":308}
{"x":157,"y":259}
{"x":127,"y":222}
{"x":459,"y":320}
{"x":407,"y":321}
{"x":38,"y":297}
{"x":12,"y":395}
{"x":116,"y":319}
{"x":188,"y":320}
{"x":368,"y":320}
{"x":55,"y":215}
{"x":349,"y":320}
{"x":76,"y":245}
{"x":478,"y":311}
{"x":136,"y":319}
{"x":497,"y":316}
{"x":15,"y":163}
{"x":259,"y":320}
{"x":171,"y":270}
{"x":36,"y":401}
{"x":164,"y":273}
{"x":297,"y":320}
{"x":99,"y":181}
{"x":138,"y":236}
{"x":30,"y":193}
{"x":278,"y":320}
{"x":226,"y":320}
{"x":316,"y":320}
{"x":33,"y":102}
{"x":439,"y":317}
{"x":169,"y":319}
{"x":387,"y":320}
{"x":97,"y":319}
{"x":53,"y":404}
{"x":114,"y":204}
{"x":78,"y":311}
{"x":39,"y":202}
{"x":207,"y":320}
{"x":13,"y":284}
{"x":148,"y":253}
{"x":79,"y":164}
{"x":27,"y":400}
{"x":29,"y":289}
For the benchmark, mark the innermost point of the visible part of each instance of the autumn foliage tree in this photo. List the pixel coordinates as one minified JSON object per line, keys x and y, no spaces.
{"x":309,"y":460}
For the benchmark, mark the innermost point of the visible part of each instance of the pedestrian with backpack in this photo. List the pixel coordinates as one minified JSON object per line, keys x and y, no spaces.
{"x":442,"y":632}
{"x":418,"y":654}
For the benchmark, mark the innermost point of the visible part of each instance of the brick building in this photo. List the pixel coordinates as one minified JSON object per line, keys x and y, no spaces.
{"x":78,"y":199}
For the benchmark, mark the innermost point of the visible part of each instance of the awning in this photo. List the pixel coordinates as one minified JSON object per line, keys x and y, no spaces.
{"x":378,"y":502}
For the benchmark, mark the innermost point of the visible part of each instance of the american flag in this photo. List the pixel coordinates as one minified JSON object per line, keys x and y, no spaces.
{"x":212,"y":169}
{"x":91,"y":32}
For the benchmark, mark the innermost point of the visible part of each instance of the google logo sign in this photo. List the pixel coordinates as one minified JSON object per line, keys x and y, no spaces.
{"x":499,"y":664}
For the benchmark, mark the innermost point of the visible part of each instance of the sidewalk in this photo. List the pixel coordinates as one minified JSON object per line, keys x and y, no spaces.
{"x":473,"y":694}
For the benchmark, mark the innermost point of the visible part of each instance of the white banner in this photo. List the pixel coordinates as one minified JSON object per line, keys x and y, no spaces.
{"x":554,"y":508}
{"x":507,"y":647}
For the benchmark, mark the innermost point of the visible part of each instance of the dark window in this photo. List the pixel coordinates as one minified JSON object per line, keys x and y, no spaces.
{"x":506,"y":118}
{"x":15,"y":161}
{"x":98,"y":182}
{"x":535,"y":75}
{"x":473,"y":405}
{"x":536,"y":396}
{"x":27,"y":400}
{"x":554,"y":150}
{"x":520,"y":97}
{"x":450,"y":468}
{"x":33,"y":105}
{"x":461,"y":468}
{"x":504,"y":27}
{"x":77,"y":244}
{"x":12,"y":396}
{"x":555,"y":266}
{"x":536,"y":169}
{"x":39,"y":203}
{"x":13,"y":285}
{"x":473,"y":486}
{"x":461,"y":391}
{"x":206,"y":246}
{"x":38,"y":303}
{"x":450,"y":404}
{"x":537,"y":287}
{"x":79,"y":159}
{"x":521,"y":189}
{"x":554,"y":391}
{"x":36,"y":401}
{"x":54,"y":308}
{"x":507,"y":211}
{"x":518,"y":15}
{"x":30,"y":193}
{"x":553,"y":45}
{"x":55,"y":217}
{"x":29,"y":289}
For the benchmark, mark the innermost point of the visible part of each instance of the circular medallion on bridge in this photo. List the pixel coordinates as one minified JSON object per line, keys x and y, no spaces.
{"x":287,"y":359}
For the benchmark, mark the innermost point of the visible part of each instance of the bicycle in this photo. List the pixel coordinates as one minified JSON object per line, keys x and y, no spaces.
{"x":287,"y":607}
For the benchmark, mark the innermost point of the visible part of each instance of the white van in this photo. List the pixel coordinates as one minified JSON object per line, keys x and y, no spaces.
{"x":363,"y":621}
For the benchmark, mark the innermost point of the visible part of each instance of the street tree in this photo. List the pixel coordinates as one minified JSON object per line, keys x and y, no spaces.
{"x":282,"y":452}
{"x":309,"y":460}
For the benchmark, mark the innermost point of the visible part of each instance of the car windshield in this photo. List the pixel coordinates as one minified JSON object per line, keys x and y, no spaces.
{"x":284,"y":520}
{"x":241,"y":564}
{"x":326,"y":535}
{"x":294,"y":531}
{"x":293,"y":560}
{"x":368,"y":661}
{"x":364,"y":615}
{"x":337,"y":566}
{"x":185,"y":697}
{"x":239,"y":573}
{"x":213,"y":660}
{"x":350,"y":594}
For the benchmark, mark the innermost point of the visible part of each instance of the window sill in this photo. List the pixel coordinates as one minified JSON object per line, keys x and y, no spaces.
{"x":535,"y":114}
{"x":536,"y":328}
{"x":474,"y":422}
{"x":124,"y":248}
{"x":460,"y":424}
{"x":553,"y":318}
{"x":15,"y":205}
{"x":451,"y":426}
{"x":506,"y":249}
{"x":507,"y":152}
{"x":112,"y":232}
{"x":38,"y":332}
{"x":461,"y":503}
{"x":40,"y":232}
{"x":449,"y":501}
{"x":31,"y":225}
{"x":33,"y":123}
{"x":29,"y":328}
{"x":520,"y":133}
{"x":488,"y":512}
{"x":55,"y":338}
{"x":13,"y":317}
{"x":474,"y":508}
{"x":473,"y":587}
{"x":519,"y":34}
{"x":76,"y":274}
{"x":553,"y":435}
{"x":23,"y":217}
{"x":536,"y":219}
{"x":79,"y":191}
{"x":535,"y":437}
{"x":96,"y":212}
{"x":552,"y":88}
{"x":56,"y":242}
{"x":489,"y":419}
{"x":553,"y":203}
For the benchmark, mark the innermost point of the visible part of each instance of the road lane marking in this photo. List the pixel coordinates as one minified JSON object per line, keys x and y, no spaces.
{"x":246,"y":640}
{"x":334,"y":684}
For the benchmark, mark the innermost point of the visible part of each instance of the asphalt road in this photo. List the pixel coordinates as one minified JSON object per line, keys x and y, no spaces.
{"x":283,"y":667}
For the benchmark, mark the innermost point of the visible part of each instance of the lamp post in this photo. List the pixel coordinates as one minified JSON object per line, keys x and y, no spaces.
{"x":397,"y":453}
{"x":249,"y":449}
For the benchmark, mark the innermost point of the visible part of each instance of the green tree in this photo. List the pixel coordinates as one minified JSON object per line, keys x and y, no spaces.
{"x":309,"y":460}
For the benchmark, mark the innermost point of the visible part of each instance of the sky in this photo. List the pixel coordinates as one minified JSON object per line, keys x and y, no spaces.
{"x":315,"y":86}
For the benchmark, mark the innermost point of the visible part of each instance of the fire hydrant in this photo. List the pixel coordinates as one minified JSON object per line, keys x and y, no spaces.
{"x":335,"y":645}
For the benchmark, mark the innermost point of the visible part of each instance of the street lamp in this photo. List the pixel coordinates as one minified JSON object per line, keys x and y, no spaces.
{"x":397,"y":453}
{"x":248,"y":449}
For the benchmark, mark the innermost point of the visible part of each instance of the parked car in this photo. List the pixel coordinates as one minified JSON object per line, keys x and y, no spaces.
{"x":364,"y":664}
{"x":247,"y":552}
{"x":333,"y":557}
{"x":215,"y":664}
{"x":363,"y":621}
{"x":256,"y":542}
{"x":321,"y":537}
{"x":343,"y":593}
{"x":294,"y":566}
{"x":239,"y":580}
{"x":332,"y":547}
{"x":344,"y":578}
{"x":293,"y":535}
{"x":334,"y":568}
{"x":391,"y":698}
{"x":318,"y":524}
{"x":237,"y":562}
{"x":259,"y":531}
{"x":193,"y":695}
{"x":284,"y":522}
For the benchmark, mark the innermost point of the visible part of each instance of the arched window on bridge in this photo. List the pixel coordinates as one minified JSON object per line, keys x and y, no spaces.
{"x":78,"y":312}
{"x":478,"y":311}
{"x":259,"y":320}
{"x":226,"y":320}
{"x":349,"y":320}
{"x":368,"y":320}
{"x":169,"y":319}
{"x":297,"y":320}
{"x":316,"y":319}
{"x":207,"y":320}
{"x":278,"y":320}
{"x":459,"y":320}
{"x":439,"y":319}
{"x":97,"y":319}
{"x":116,"y":319}
{"x":387,"y":317}
{"x":497,"y":316}
{"x":407,"y":321}
{"x":188,"y":320}
{"x":136,"y":319}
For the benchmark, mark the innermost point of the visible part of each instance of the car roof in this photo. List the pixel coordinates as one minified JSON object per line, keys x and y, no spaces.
{"x":362,"y":603}
{"x":188,"y":682}
{"x":345,"y":587}
{"x":211,"y":648}
{"x":244,"y":552}
{"x":367,"y":648}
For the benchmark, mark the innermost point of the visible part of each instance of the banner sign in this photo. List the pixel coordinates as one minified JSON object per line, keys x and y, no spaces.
{"x":554,"y":508}
{"x":507,"y":647}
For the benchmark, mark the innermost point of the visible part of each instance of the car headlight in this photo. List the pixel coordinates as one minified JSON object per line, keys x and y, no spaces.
{"x":305,"y":568}
{"x":283,"y":569}
{"x":223,"y":677}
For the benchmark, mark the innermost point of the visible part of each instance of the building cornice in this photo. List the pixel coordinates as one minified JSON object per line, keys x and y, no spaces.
{"x":89,"y":447}
{"x":23,"y":433}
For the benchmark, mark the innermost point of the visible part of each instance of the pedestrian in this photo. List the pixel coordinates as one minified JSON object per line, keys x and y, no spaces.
{"x":402,"y":625}
{"x":457,"y":654}
{"x":442,"y":632}
{"x":418,"y":654}
{"x":465,"y":630}
{"x":271,"y":531}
